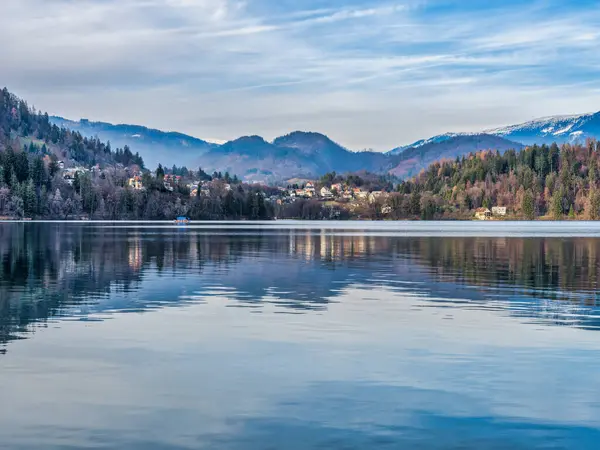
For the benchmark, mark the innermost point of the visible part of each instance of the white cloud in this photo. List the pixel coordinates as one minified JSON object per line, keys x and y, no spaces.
{"x":377,"y":74}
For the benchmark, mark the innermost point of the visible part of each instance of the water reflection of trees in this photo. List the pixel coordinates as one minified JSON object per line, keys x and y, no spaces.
{"x":53,"y":270}
{"x":553,"y":268}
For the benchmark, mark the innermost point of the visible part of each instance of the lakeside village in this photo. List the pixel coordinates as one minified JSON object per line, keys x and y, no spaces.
{"x":358,"y":201}
{"x":310,"y":190}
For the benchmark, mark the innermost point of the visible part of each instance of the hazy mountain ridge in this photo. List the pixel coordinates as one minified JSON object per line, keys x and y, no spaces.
{"x":298,"y":154}
{"x":155,"y":145}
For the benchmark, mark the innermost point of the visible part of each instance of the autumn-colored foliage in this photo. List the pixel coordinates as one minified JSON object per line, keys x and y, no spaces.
{"x":537,"y":181}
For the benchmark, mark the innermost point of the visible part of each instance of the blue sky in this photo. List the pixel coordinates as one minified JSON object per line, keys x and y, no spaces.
{"x":370,"y":74}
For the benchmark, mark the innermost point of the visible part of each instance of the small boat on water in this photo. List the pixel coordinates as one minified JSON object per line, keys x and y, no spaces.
{"x":182,"y":220}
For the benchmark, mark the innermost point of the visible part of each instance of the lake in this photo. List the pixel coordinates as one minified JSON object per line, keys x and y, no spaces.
{"x":300,"y":335}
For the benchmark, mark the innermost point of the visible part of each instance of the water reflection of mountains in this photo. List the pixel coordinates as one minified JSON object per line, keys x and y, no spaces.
{"x":67,"y":270}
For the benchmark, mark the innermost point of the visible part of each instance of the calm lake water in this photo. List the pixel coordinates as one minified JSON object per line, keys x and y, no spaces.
{"x":288,"y":335}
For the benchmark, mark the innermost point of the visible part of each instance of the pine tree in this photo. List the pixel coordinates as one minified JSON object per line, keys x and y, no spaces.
{"x":38,"y":172}
{"x":160,"y":172}
{"x":415,"y":204}
{"x":29,"y":197}
{"x":556,"y":206}
{"x":53,"y":168}
{"x":593,"y":206}
{"x":528,"y":205}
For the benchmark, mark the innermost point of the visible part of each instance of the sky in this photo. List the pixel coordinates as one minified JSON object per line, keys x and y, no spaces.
{"x":368,"y":73}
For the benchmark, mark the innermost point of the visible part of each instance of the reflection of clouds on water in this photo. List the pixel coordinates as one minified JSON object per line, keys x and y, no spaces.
{"x":360,"y":376}
{"x":394,"y":417}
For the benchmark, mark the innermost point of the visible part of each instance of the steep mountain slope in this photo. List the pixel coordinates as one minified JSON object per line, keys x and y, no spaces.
{"x":23,"y":128}
{"x":332,"y":156}
{"x":155,"y":146}
{"x":559,"y":129}
{"x":433,"y":140}
{"x":297,"y":154}
{"x":254,"y":159}
{"x":414,"y":159}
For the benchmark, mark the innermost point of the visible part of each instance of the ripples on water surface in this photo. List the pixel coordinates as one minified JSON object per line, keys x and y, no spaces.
{"x":299,"y":336}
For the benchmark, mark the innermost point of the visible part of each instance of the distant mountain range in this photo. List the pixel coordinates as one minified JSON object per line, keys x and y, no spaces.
{"x":298,"y":154}
{"x":155,"y":146}
{"x":308,"y":155}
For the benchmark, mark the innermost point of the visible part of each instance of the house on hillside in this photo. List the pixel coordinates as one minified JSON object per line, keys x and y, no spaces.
{"x":483,"y":214}
{"x":337,"y":189}
{"x":69,"y":174}
{"x":326,"y":193}
{"x":172,"y":179}
{"x":135,"y":183}
{"x":69,"y":178}
{"x":499,"y":211}
{"x":359,"y":194}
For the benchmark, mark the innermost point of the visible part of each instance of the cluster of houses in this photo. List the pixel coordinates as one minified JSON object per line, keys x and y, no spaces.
{"x":170,"y":182}
{"x":487,"y":214}
{"x":335,"y":192}
{"x":203,"y":188}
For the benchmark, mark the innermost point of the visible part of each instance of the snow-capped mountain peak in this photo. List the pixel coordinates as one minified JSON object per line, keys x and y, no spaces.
{"x":546,"y":130}
{"x":559,"y":129}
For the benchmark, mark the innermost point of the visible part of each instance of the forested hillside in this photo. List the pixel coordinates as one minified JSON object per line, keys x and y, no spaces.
{"x":23,"y":127}
{"x":56,"y":173}
{"x":537,"y":181}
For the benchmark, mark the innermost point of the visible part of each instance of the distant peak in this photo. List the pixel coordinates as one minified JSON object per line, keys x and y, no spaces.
{"x":307,"y":133}
{"x":301,"y":135}
{"x":249,"y":139}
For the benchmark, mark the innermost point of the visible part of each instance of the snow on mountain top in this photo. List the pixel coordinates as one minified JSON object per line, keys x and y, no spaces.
{"x":216,"y":141}
{"x":564,"y":130}
{"x":560,"y":129}
{"x":549,"y":123}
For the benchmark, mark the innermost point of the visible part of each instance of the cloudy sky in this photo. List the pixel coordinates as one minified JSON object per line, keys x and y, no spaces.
{"x":369,"y":73}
